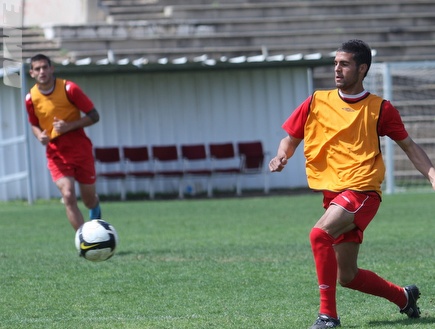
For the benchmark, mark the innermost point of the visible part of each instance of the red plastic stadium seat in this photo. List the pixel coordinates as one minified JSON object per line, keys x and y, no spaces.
{"x":253,"y":156}
{"x":167,"y":164}
{"x":138,"y":165}
{"x":109,"y":166}
{"x":225,"y":163}
{"x":196,"y":164}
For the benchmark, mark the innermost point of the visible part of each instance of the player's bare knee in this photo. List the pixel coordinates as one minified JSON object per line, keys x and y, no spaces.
{"x":68,"y":197}
{"x":342,"y":283}
{"x":345,"y":278}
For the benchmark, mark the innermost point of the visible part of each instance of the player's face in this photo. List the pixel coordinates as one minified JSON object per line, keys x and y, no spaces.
{"x":42,"y":72}
{"x":348,"y":76}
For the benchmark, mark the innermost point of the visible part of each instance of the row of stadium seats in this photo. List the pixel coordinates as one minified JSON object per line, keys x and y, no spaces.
{"x":181,"y":163}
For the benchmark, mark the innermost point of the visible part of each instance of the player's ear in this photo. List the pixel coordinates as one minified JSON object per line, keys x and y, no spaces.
{"x":363,"y":68}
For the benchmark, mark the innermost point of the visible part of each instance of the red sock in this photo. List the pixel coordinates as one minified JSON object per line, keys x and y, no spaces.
{"x":371,"y":283}
{"x":326,"y":267}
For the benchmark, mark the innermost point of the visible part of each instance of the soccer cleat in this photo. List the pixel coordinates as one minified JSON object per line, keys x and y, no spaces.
{"x":324,"y":322}
{"x":411,"y":309}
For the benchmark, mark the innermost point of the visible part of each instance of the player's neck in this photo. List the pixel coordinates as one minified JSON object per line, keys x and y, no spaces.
{"x":352,"y":96}
{"x":351,"y":89}
{"x":47,"y":88}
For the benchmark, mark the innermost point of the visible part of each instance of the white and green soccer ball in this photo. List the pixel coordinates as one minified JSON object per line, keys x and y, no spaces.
{"x":96,"y":240}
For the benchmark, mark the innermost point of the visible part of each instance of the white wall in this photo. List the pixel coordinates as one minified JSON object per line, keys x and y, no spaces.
{"x":175,"y":107}
{"x":60,"y":12}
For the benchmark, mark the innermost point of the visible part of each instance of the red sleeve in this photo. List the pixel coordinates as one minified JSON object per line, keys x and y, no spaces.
{"x":78,"y":97}
{"x":390,"y":123}
{"x":34,"y":121}
{"x":295,"y":123}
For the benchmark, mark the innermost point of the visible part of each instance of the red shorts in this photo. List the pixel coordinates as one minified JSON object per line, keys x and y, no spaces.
{"x":83,"y":172}
{"x":363,"y":205}
{"x":71,"y":156}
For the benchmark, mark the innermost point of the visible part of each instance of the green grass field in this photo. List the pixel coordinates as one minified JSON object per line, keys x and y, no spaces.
{"x":237,"y":263}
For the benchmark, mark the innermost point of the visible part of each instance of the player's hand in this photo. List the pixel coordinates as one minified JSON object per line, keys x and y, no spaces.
{"x":433,"y":183}
{"x":277,"y":164}
{"x":43,"y":138}
{"x":60,"y":126}
{"x":431,"y":177}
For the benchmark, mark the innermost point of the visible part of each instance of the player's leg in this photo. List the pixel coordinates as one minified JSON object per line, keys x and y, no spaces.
{"x":73,"y":213}
{"x":333,"y":223}
{"x":347,"y":261}
{"x":86,"y":176}
{"x":90,"y":200}
{"x":338,"y":220}
{"x":350,"y":276}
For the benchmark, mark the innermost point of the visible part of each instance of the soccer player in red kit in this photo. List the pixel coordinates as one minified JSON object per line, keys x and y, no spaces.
{"x":55,"y":108}
{"x":341,"y":129}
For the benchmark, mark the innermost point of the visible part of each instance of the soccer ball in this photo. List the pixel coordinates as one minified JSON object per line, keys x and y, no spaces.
{"x":96,"y":240}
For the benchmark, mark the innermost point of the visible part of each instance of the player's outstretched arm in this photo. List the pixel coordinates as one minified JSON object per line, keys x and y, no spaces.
{"x":419,"y":158}
{"x":286,"y":149}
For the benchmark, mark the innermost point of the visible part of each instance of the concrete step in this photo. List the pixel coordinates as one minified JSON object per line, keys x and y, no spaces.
{"x":312,"y":36}
{"x":266,"y":9}
{"x":411,"y":41}
{"x":406,"y":31}
{"x":396,"y":48}
{"x":115,"y":3}
{"x":167,"y":27}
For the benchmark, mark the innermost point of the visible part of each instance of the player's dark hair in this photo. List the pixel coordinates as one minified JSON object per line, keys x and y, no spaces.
{"x":40,"y":57}
{"x":362,"y":54}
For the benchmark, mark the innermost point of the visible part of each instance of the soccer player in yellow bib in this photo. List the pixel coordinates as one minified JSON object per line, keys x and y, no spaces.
{"x":340,"y":129}
{"x":58,"y":111}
